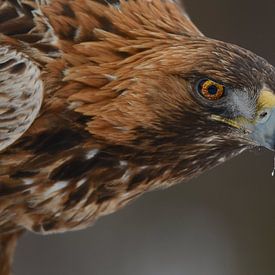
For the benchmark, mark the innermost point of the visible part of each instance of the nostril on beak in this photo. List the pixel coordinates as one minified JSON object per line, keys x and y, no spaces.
{"x":263,"y":116}
{"x":263,"y":129}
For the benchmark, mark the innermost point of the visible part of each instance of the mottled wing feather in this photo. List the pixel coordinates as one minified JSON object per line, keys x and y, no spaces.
{"x":25,"y":21}
{"x":21,"y":94}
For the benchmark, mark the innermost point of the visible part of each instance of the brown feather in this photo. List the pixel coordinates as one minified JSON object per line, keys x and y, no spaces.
{"x":119,"y":116}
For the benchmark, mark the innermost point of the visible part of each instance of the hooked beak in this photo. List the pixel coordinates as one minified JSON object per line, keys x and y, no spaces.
{"x":263,"y":127}
{"x":263,"y":131}
{"x":260,"y":130}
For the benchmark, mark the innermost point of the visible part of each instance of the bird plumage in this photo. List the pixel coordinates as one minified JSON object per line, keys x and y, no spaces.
{"x":106,"y":97}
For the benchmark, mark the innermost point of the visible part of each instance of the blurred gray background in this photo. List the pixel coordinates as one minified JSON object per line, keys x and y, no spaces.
{"x":222,"y":223}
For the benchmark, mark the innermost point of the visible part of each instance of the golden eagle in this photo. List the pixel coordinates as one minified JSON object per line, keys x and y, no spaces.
{"x":101,"y":102}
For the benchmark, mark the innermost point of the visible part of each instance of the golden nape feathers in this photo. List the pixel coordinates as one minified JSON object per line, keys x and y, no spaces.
{"x":102,"y":101}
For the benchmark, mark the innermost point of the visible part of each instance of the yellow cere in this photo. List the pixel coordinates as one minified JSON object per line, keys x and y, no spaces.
{"x":266,"y":100}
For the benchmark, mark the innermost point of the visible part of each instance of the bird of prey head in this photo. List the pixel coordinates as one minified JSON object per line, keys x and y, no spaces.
{"x":103,"y":101}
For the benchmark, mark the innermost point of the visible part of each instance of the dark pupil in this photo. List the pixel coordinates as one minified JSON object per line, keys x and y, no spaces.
{"x":212,"y":90}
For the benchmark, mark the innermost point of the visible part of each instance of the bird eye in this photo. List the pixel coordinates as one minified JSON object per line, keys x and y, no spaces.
{"x":210,"y":89}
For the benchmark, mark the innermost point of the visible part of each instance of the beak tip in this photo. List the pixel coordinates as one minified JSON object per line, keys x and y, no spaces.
{"x":264,"y":132}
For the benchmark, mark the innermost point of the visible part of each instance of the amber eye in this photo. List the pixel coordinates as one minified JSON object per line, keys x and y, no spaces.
{"x":210,"y":89}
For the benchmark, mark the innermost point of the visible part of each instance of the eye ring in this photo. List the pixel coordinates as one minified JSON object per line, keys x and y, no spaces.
{"x":210,"y":89}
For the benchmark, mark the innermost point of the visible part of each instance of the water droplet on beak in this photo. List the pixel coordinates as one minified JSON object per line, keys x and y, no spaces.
{"x":273,"y":172}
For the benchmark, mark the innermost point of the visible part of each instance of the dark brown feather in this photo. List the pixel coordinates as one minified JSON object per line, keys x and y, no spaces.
{"x":118,"y":116}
